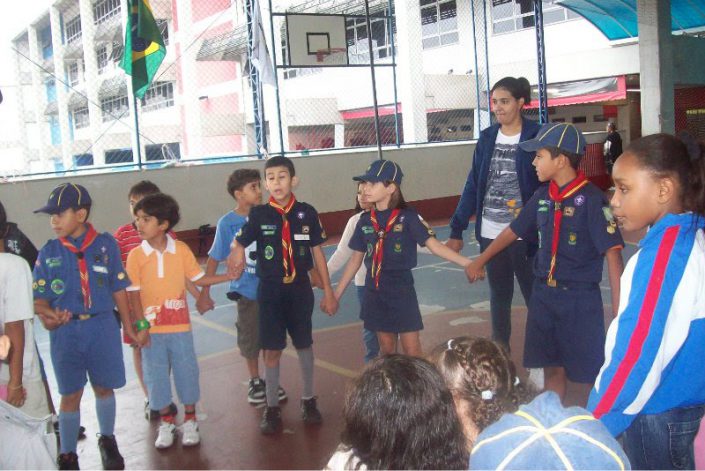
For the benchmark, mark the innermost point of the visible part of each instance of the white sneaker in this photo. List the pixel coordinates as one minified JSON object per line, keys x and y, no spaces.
{"x":189,"y":432}
{"x":165,"y":437}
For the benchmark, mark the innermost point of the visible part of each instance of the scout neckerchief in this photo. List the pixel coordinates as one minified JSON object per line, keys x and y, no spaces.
{"x":557,"y":196}
{"x":91,"y":234}
{"x":379,"y":246}
{"x":287,"y":249}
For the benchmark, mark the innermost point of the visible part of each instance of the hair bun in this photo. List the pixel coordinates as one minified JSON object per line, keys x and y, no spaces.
{"x":694,"y":148}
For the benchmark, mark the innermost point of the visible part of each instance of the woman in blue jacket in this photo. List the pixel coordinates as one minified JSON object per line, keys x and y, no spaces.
{"x":501,"y":179}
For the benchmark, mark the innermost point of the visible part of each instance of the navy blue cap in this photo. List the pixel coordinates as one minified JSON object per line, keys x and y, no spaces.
{"x":563,"y":136}
{"x":545,"y":435}
{"x":65,"y":196}
{"x":381,"y":171}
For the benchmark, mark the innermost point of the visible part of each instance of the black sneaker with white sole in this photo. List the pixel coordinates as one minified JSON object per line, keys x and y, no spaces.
{"x":257,"y":392}
{"x":271,"y":421}
{"x":310,"y":412}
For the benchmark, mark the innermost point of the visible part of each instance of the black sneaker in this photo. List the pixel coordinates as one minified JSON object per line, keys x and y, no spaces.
{"x":257,"y":391}
{"x":109,"y":453}
{"x":309,"y":412}
{"x":81,"y":431}
{"x":68,"y":461}
{"x":271,"y":421}
{"x":153,"y":414}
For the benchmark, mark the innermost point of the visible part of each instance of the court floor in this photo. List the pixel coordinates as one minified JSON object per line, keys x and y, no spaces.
{"x":229,"y":425}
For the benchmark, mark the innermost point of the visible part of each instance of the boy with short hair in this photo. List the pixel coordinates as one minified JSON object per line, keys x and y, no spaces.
{"x":244,"y":187}
{"x":158,"y":269}
{"x":78,"y":280}
{"x":571,"y":221}
{"x":289,"y":237}
{"x":128,"y":238}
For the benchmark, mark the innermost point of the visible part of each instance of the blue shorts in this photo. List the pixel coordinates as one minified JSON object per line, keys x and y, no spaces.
{"x":171,"y":353}
{"x":566,"y":328}
{"x":89,"y":348}
{"x":285,"y":308}
{"x":393,"y":307}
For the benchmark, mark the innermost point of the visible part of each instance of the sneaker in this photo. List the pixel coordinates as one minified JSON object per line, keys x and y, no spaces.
{"x":189,"y":433}
{"x":271,"y":420}
{"x":309,"y":412}
{"x":165,"y":436}
{"x":152,"y":414}
{"x":109,"y":453}
{"x":257,"y":392}
{"x":68,"y":461}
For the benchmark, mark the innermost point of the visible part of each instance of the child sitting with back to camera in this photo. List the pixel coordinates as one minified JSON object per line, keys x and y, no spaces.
{"x":482,"y":378}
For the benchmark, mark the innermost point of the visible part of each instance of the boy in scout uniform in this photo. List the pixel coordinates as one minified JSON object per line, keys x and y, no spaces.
{"x":78,"y":280}
{"x":289,"y":240}
{"x":571,"y":221}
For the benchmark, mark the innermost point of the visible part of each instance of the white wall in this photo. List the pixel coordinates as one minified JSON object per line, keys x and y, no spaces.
{"x":326,"y":182}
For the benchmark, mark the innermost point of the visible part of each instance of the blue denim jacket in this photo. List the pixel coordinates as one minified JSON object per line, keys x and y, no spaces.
{"x":473,"y":197}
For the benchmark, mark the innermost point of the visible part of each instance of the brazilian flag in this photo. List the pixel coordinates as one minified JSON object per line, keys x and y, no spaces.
{"x":144,"y":46}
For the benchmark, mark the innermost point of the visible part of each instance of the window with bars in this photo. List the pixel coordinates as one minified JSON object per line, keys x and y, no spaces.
{"x":73,"y":29}
{"x":114,"y":107}
{"x":103,"y":10}
{"x":101,"y":55}
{"x":159,"y":95}
{"x":80,"y":118}
{"x":519,"y":14}
{"x":439,"y":23}
{"x":356,"y":38}
{"x":74,"y":73}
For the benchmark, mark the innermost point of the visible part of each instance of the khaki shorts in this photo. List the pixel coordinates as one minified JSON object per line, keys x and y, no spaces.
{"x":247,"y":325}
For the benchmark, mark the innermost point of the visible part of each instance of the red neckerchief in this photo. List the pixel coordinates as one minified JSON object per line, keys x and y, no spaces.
{"x":287,"y":249}
{"x":379,"y":246}
{"x":91,"y":234}
{"x":557,"y":197}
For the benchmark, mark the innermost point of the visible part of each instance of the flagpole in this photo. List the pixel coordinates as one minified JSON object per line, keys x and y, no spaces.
{"x":137,"y":132}
{"x":276,"y":79}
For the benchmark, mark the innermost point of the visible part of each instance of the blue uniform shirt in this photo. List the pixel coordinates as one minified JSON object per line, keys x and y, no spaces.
{"x":57,"y":279}
{"x":228,"y":227}
{"x":400,"y":242}
{"x":588,"y":230}
{"x":264,"y":226}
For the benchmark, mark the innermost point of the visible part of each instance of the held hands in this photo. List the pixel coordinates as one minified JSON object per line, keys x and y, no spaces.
{"x":55,"y":318}
{"x":329,"y":303}
{"x":236,"y":263}
{"x":475,"y":271}
{"x":456,"y":245}
{"x":204,"y":303}
{"x":142,"y":338}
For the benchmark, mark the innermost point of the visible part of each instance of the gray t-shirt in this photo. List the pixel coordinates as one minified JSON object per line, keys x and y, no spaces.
{"x":503,"y":197}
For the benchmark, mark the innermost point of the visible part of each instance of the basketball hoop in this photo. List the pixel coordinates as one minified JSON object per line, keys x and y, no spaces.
{"x":322,"y":54}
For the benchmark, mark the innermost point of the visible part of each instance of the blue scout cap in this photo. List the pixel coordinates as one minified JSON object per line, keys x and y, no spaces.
{"x":563,"y":136}
{"x":65,"y":196}
{"x":545,"y":435}
{"x":381,"y":171}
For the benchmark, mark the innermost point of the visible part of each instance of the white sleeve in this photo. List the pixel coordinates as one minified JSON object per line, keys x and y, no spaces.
{"x":16,"y":285}
{"x":343,"y":253}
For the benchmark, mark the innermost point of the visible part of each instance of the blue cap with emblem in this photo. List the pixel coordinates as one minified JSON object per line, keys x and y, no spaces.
{"x":563,"y":136}
{"x":382,"y":171}
{"x":66,"y":196}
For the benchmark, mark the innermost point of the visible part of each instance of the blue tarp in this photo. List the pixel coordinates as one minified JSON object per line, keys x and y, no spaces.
{"x":617,"y":19}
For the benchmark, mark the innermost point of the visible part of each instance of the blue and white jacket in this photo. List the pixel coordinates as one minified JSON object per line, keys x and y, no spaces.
{"x":655,"y":348}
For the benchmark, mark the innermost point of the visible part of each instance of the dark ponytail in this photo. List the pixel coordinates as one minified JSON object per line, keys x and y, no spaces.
{"x":682,"y":157}
{"x":3,"y":221}
{"x":518,"y":87}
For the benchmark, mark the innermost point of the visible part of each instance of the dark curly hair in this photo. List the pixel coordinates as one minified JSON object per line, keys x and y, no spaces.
{"x":399,"y":414}
{"x":471,"y":365}
{"x":161,"y":206}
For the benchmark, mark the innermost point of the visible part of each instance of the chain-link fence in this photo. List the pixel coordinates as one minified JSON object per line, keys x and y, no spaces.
{"x":435,"y":62}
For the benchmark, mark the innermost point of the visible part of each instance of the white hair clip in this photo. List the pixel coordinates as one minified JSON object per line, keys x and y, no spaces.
{"x":516,"y":381}
{"x":487,"y":395}
{"x":450,"y":344}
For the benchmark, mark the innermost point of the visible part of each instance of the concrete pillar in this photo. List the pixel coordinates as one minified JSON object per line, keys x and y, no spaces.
{"x":40,"y":96}
{"x":656,"y":66}
{"x":339,"y":130}
{"x":90,"y":63}
{"x":410,"y":75}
